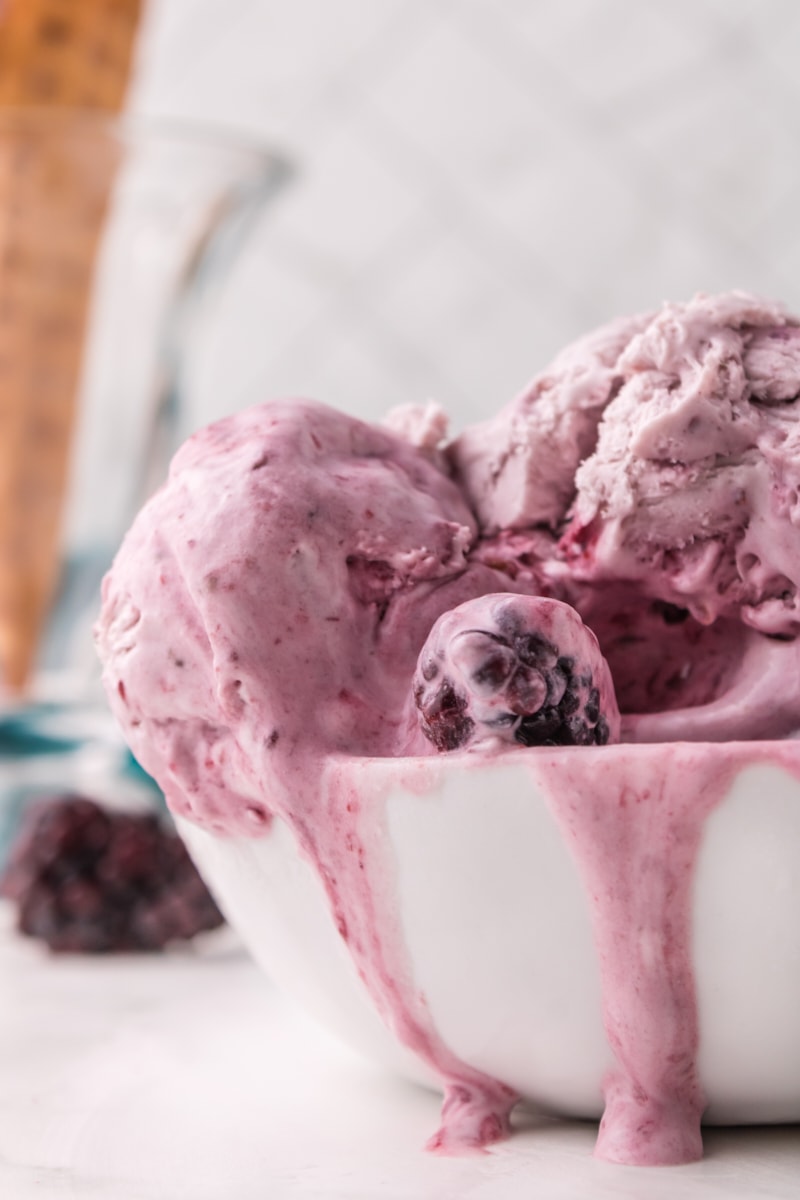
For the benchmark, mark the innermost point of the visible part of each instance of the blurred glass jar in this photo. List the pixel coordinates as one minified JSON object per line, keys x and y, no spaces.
{"x":113,"y":237}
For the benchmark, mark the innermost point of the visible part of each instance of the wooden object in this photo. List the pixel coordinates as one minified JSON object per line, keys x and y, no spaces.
{"x":55,"y":180}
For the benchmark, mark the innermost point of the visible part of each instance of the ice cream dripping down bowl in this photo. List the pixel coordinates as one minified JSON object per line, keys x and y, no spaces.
{"x":506,"y":934}
{"x":488,"y":746}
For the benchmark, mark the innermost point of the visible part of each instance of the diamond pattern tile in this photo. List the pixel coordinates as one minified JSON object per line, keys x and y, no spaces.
{"x":479,"y":182}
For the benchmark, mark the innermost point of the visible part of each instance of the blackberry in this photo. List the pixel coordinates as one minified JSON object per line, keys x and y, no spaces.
{"x":446,"y":721}
{"x":87,"y":880}
{"x":514,"y":668}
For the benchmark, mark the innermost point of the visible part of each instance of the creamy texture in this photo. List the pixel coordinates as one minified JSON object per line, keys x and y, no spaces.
{"x":282,"y":599}
{"x":663,"y":453}
{"x":298,"y":558}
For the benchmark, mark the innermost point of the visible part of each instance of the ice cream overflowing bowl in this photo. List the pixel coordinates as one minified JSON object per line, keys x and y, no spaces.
{"x":476,"y":868}
{"x":486,"y":746}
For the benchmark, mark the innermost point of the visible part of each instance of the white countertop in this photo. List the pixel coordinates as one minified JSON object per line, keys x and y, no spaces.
{"x":187,"y":1075}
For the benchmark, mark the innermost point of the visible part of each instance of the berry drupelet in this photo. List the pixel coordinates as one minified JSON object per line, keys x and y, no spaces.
{"x":88,"y":880}
{"x":519,"y":669}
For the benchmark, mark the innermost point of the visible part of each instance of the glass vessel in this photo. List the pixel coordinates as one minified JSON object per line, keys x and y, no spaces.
{"x":115,"y":235}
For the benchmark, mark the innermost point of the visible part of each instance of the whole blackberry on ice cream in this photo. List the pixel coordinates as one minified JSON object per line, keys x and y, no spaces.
{"x":518,"y":669}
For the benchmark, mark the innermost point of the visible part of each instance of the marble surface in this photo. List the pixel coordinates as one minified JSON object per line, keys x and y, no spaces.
{"x":187,"y":1075}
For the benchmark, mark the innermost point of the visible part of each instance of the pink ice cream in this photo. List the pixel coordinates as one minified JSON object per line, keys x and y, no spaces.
{"x":296,"y":560}
{"x":671,"y":449}
{"x":621,"y":537}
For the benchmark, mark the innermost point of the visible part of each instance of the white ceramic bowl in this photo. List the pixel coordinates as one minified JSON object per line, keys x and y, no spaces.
{"x":497,"y":926}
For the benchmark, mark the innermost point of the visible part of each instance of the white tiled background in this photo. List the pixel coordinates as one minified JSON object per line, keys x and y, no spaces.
{"x":480,"y":180}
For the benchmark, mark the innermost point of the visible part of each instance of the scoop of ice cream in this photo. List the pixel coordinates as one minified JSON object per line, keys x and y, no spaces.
{"x":666,"y":451}
{"x":270,"y":601}
{"x":518,"y":468}
{"x":691,"y":489}
{"x":658,"y":462}
{"x":508,"y":668}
